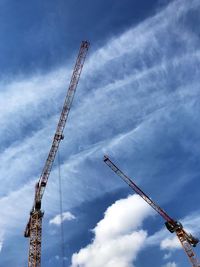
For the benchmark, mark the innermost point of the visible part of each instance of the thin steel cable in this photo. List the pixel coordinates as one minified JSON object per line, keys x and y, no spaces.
{"x":61,"y":213}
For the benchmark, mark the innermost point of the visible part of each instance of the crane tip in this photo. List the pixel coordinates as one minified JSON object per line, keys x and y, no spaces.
{"x":105,"y":158}
{"x":85,"y":44}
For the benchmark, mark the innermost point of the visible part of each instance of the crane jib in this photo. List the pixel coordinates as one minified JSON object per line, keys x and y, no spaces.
{"x":137,"y":190}
{"x":62,"y":120}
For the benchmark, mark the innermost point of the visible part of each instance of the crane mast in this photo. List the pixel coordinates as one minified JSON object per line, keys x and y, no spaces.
{"x":187,"y":240}
{"x":34,"y":226}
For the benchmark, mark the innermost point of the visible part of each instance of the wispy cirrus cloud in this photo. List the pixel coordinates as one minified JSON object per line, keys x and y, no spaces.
{"x":137,"y":100}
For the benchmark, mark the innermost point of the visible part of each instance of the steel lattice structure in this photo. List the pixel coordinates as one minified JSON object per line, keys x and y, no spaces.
{"x":187,"y":240}
{"x":34,"y":226}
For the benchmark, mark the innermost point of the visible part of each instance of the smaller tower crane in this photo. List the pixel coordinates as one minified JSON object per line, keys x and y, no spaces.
{"x":187,"y":240}
{"x":34,"y":226}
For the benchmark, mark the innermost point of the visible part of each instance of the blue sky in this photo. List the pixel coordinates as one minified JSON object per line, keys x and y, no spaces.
{"x":137,"y":100}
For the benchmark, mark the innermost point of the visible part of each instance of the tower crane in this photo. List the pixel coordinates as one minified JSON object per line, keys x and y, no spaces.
{"x":33,"y":228}
{"x":187,"y":240}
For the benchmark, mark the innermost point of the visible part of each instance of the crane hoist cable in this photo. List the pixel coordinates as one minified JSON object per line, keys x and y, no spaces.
{"x":62,"y":232}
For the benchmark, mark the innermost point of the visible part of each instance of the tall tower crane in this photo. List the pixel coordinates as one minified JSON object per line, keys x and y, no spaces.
{"x":34,"y":226}
{"x":187,"y":240}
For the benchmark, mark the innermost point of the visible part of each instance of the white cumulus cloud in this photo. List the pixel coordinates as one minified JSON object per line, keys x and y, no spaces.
{"x":170,"y":264}
{"x":66,"y":216}
{"x":1,"y":244}
{"x":167,"y":256}
{"x":118,"y":238}
{"x":170,"y":243}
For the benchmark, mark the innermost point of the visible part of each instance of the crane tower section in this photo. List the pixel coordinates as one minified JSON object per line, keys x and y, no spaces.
{"x":187,"y":240}
{"x":34,"y":226}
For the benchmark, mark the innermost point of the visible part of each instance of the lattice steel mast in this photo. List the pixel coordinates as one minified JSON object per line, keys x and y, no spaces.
{"x":187,"y":240}
{"x":34,"y":227}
